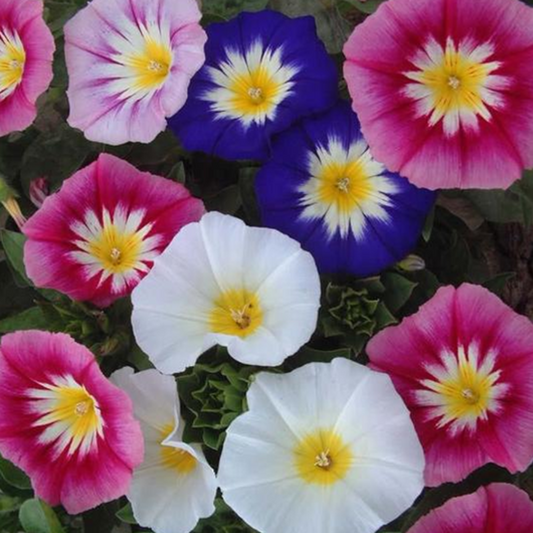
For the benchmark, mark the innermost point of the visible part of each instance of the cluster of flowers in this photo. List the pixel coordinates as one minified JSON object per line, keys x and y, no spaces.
{"x":443,"y":93}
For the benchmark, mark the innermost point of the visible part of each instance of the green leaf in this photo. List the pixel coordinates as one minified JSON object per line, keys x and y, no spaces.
{"x":312,"y":355}
{"x":37,"y":517}
{"x":399,"y":290}
{"x":367,"y":6}
{"x":332,"y":28}
{"x":126,"y":514}
{"x":32,"y":318}
{"x":13,"y":244}
{"x":428,"y":225}
{"x":227,"y":201}
{"x":512,"y":205}
{"x":229,"y":8}
{"x":13,"y":475}
{"x":247,"y":190}
{"x":497,"y":283}
{"x":139,"y":359}
{"x":56,"y":156}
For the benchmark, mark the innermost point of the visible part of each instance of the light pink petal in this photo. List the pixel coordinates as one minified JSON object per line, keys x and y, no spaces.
{"x":97,"y":40}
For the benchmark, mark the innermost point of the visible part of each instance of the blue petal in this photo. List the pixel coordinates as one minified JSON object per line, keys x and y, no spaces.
{"x":315,"y":89}
{"x":382,"y":243}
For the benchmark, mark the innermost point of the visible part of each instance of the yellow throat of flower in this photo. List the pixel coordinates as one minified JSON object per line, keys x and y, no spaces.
{"x":322,"y":458}
{"x":12,"y":61}
{"x":237,"y":313}
{"x":344,"y":185}
{"x":174,"y":458}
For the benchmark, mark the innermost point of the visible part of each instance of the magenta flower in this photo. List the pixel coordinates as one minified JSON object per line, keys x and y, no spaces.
{"x":98,"y":236}
{"x":496,"y":508}
{"x":26,"y":54}
{"x":64,"y":423}
{"x":464,"y":366}
{"x":444,"y":90}
{"x":129,"y":65}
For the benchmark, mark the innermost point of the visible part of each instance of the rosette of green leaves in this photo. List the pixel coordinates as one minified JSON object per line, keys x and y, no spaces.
{"x":214,"y":396}
{"x":357,"y":311}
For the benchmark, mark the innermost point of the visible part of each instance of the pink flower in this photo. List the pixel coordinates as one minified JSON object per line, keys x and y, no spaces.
{"x":129,"y":65}
{"x":98,"y":236}
{"x":64,"y":423}
{"x":444,"y":90}
{"x":464,"y":367}
{"x":497,"y":508}
{"x":26,"y":54}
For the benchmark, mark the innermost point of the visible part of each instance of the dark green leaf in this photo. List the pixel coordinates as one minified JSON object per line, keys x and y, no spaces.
{"x":366,"y":6}
{"x":32,"y":318}
{"x":54,"y":156}
{"x":513,"y":205}
{"x":332,"y":28}
{"x":126,"y":514}
{"x":37,"y":517}
{"x":399,"y":290}
{"x":13,"y":475}
{"x":13,"y":244}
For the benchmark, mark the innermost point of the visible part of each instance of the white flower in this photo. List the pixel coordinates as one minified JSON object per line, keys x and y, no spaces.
{"x":174,"y":487}
{"x":327,"y":448}
{"x":253,"y":290}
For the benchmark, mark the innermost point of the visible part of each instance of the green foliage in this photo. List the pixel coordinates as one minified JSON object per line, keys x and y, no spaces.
{"x":226,"y":9}
{"x":223,"y":521}
{"x":355,"y":311}
{"x":37,"y":517}
{"x":366,"y":6}
{"x":333,"y":29}
{"x":13,"y":244}
{"x":214,"y":395}
{"x":13,"y":475}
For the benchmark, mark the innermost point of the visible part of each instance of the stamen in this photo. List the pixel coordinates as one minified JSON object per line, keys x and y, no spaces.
{"x":155,"y":66}
{"x":241,"y":317}
{"x":323,"y":460}
{"x":115,"y":256}
{"x":454,"y":82}
{"x":470,"y":396}
{"x":255,"y":93}
{"x":82,"y":408}
{"x":343,"y":184}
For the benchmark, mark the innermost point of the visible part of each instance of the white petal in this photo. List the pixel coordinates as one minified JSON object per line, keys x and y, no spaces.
{"x":168,"y":502}
{"x":257,"y":472}
{"x":154,"y":396}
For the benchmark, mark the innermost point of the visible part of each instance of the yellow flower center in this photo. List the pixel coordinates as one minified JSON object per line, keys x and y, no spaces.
{"x":322,"y":458}
{"x":237,"y":313}
{"x":174,"y":458}
{"x":456,"y":83}
{"x":255,"y":92}
{"x":117,"y":251}
{"x":249,"y":86}
{"x":71,"y":413}
{"x":12,"y":61}
{"x":151,"y":65}
{"x":463,"y":391}
{"x":344,"y":185}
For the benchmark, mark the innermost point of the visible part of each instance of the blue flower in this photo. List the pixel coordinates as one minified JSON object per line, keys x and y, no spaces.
{"x":323,"y":188}
{"x":263,"y":72}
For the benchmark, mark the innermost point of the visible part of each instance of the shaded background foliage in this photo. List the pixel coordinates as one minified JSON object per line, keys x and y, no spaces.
{"x":484,"y":237}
